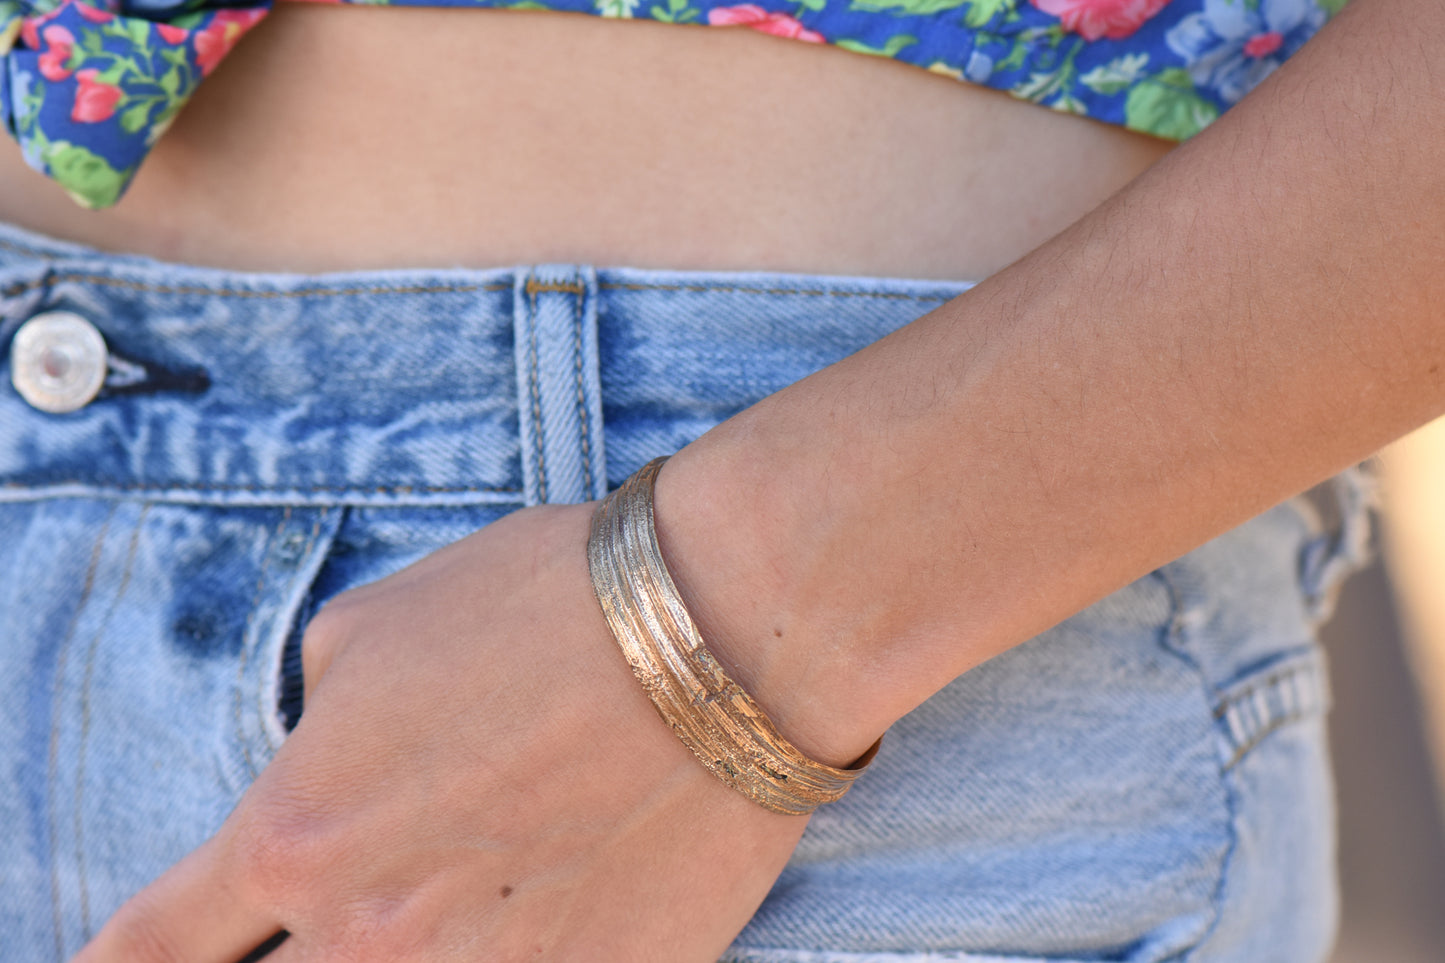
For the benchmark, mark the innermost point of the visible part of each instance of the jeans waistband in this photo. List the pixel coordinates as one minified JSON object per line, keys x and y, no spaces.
{"x":411,"y":386}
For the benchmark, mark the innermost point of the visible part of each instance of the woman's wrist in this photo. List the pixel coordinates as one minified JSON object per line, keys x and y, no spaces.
{"x":732,"y":535}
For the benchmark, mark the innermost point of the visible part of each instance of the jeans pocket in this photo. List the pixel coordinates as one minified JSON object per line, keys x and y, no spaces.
{"x":1062,"y":801}
{"x":141,"y":641}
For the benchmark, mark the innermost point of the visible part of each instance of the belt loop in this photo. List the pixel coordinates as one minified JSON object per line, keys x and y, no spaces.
{"x":559,"y":397}
{"x":1331,"y":557}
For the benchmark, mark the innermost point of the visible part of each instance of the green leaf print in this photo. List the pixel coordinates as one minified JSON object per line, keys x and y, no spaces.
{"x":112,"y":74}
{"x":905,"y":8}
{"x":890,"y":48}
{"x":87,"y":177}
{"x":134,"y":118}
{"x":677,"y":11}
{"x":980,"y":12}
{"x":1332,"y":7}
{"x":140,"y":34}
{"x":1117,"y":74}
{"x":1166,"y":105}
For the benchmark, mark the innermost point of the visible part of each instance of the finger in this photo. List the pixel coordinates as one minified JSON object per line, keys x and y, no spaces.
{"x":194,"y":913}
{"x":319,"y":643}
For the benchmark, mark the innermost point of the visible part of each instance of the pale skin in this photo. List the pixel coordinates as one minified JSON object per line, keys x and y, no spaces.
{"x":1257,"y":311}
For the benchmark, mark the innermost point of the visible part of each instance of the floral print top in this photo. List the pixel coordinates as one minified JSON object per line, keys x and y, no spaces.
{"x":87,"y":86}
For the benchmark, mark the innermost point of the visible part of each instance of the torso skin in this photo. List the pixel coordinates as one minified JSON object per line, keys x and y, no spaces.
{"x":349,"y":137}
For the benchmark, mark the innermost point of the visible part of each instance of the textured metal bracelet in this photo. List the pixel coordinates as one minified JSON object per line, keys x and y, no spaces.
{"x":711,"y":714}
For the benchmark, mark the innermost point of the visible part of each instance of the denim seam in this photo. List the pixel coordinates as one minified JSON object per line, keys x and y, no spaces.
{"x":766,"y":954}
{"x":27,"y":251}
{"x":21,"y":287}
{"x":245,"y":640}
{"x":261,"y":708}
{"x":1301,"y":707}
{"x":536,"y":389}
{"x":85,"y":686}
{"x":103,"y":280}
{"x":1274,"y":725}
{"x":261,"y":489}
{"x":53,"y":762}
{"x":581,"y":395}
{"x":1173,"y":640}
{"x":1269,"y":681}
{"x":746,"y":289}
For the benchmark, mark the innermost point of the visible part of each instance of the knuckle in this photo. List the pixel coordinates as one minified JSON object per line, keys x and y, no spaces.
{"x":326,"y":632}
{"x":376,"y":930}
{"x":281,"y":847}
{"x":136,"y":933}
{"x":330,"y":624}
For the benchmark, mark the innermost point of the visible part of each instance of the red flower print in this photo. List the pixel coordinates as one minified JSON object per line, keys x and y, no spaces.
{"x":94,"y":101}
{"x":94,"y":14}
{"x":1092,"y":19}
{"x":221,"y":35}
{"x":1263,"y":44}
{"x":752,"y":15}
{"x":52,"y":61}
{"x":171,"y":34}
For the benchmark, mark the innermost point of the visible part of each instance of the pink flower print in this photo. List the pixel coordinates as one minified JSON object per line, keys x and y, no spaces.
{"x":52,"y":62}
{"x":30,"y":29}
{"x":172,"y":34}
{"x":221,"y":35}
{"x":94,"y":14}
{"x":1263,"y":44}
{"x":1092,"y":19}
{"x":94,"y":101}
{"x":752,"y":15}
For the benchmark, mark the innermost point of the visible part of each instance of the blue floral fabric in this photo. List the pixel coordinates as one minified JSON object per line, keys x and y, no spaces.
{"x":88,"y":86}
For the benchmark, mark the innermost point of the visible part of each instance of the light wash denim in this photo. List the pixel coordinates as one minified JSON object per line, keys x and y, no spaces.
{"x":1147,"y":781}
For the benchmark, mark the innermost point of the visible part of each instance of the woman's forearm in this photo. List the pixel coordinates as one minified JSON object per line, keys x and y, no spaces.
{"x":1256,"y":312}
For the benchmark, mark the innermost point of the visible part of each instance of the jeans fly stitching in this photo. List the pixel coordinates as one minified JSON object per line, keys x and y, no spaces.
{"x":85,"y":686}
{"x":261,"y":690}
{"x":53,"y":761}
{"x":245,"y":633}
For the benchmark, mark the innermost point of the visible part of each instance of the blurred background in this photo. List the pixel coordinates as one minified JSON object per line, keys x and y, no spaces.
{"x":1387,"y":656}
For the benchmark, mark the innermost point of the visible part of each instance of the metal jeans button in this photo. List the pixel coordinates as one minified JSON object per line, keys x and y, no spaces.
{"x":58,"y":361}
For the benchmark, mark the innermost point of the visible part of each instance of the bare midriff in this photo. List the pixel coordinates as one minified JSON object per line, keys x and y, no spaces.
{"x":350,"y":137}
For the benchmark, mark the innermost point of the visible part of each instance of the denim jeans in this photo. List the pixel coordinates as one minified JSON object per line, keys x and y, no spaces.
{"x":1146,"y":781}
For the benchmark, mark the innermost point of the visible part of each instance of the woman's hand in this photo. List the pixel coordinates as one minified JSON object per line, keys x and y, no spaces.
{"x":477,"y":776}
